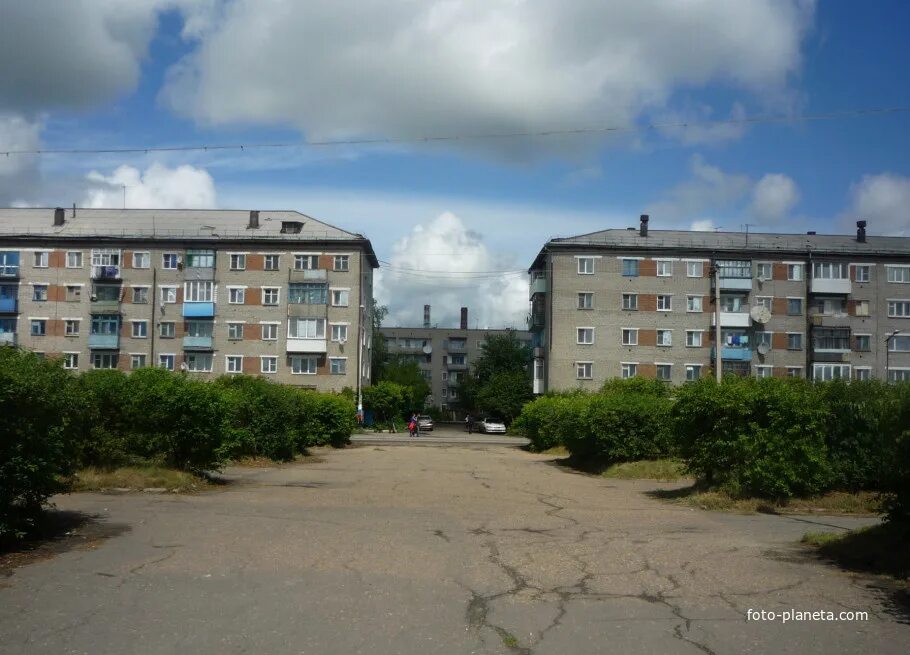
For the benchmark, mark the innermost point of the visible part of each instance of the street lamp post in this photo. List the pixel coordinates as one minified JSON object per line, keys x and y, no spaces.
{"x":888,"y":354}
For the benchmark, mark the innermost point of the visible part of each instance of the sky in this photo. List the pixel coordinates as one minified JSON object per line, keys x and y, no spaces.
{"x":457,"y":222}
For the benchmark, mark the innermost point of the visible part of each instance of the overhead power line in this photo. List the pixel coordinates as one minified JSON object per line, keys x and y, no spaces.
{"x":416,"y":140}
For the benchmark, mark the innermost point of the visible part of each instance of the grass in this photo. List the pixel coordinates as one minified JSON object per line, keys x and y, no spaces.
{"x":556,"y":451}
{"x":863,"y":503}
{"x":667,"y":470}
{"x":878,"y":549}
{"x":136,"y":478}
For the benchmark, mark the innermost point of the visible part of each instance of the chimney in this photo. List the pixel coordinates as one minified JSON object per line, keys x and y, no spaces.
{"x":254,"y":220}
{"x":464,"y":318}
{"x":861,"y":231}
{"x":426,"y":316}
{"x":58,"y":217}
{"x":74,"y":210}
{"x":644,"y":225}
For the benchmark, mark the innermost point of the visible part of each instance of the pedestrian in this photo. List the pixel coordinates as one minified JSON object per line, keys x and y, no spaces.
{"x":414,"y":426}
{"x":469,"y":422}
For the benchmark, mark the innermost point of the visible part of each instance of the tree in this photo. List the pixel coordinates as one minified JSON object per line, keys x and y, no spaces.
{"x":504,"y":394}
{"x":386,"y":400}
{"x":408,"y":375}
{"x":380,"y":353}
{"x":499,"y":381}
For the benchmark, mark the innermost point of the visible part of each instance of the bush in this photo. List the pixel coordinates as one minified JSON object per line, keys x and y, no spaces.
{"x":386,"y":400}
{"x":760,"y":437}
{"x":107,"y":436}
{"x":548,"y":419}
{"x":622,"y":426}
{"x":638,"y":385}
{"x":260,"y":420}
{"x":40,"y":425}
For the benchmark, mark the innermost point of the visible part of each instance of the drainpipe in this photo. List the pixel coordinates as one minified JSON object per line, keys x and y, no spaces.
{"x":152,"y":326}
{"x":807,"y":276}
{"x":718,"y":375}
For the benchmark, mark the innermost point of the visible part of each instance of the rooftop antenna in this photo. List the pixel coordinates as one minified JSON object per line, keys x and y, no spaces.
{"x":746,"y":225}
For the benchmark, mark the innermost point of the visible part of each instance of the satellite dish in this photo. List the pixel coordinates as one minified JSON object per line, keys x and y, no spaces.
{"x":427,"y":349}
{"x":763,"y":349}
{"x":760,"y":314}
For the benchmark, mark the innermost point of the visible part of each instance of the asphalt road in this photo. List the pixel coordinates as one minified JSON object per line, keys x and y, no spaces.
{"x":418,"y":550}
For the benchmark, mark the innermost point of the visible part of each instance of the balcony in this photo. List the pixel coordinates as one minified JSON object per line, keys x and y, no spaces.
{"x":732,"y":353}
{"x":457,"y":367}
{"x":409,"y":350}
{"x":733,"y":319}
{"x":307,"y":310}
{"x":192,"y":273}
{"x":198,"y":343}
{"x":456,"y":347}
{"x":310,"y":275}
{"x":306,"y":345}
{"x":537,"y":320}
{"x":199,"y":309}
{"x":831,"y":340}
{"x":736,"y":283}
{"x":7,"y":338}
{"x":825,"y":285}
{"x":105,"y":307}
{"x":538,"y":285}
{"x":104,"y":341}
{"x":105,"y":272}
{"x":9,"y":305}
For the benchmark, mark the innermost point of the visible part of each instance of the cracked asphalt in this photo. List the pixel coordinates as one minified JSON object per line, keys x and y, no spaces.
{"x":443,"y":549}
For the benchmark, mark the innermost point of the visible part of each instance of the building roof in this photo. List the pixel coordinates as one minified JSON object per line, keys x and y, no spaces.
{"x":170,"y":225}
{"x":731,"y":243}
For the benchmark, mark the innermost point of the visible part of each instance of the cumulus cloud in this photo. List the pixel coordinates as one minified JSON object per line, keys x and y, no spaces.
{"x":402,"y":68}
{"x":444,"y":264}
{"x":773,"y":197}
{"x":183,"y":187}
{"x":884,"y":201}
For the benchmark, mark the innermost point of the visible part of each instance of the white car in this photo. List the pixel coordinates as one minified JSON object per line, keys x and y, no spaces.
{"x":488,"y":425}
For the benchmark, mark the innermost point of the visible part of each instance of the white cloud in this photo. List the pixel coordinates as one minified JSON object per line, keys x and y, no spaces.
{"x":444,"y":264}
{"x":884,"y":201}
{"x":709,"y":188}
{"x":403,"y":69}
{"x":18,"y":173}
{"x":704,"y":225}
{"x":773,"y":197}
{"x":693,"y":126}
{"x":183,"y":187}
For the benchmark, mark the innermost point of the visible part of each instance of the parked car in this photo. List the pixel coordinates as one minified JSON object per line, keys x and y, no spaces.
{"x":488,"y":425}
{"x":425,"y":422}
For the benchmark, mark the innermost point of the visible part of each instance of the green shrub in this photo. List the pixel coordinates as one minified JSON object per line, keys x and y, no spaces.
{"x":40,"y":425}
{"x":622,"y":426}
{"x":259,"y":420}
{"x":107,"y":439}
{"x":386,"y":400}
{"x":638,"y":385}
{"x":334,"y":419}
{"x":548,"y":420}
{"x":897,"y":478}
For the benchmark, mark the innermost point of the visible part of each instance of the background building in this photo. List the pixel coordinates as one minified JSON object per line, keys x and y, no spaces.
{"x":619,"y":303}
{"x":444,"y":355}
{"x":277,"y":294}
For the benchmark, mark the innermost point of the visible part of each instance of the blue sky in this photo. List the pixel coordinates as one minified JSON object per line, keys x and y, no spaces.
{"x":186,"y":72}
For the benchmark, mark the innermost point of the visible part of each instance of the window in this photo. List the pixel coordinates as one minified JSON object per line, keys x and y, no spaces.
{"x":141,"y":260}
{"x":105,"y":360}
{"x":763,"y":338}
{"x":693,"y":338}
{"x":864,"y":342}
{"x":794,"y":341}
{"x":454,"y":393}
{"x":105,"y":257}
{"x":200,"y":259}
{"x":42,"y":258}
{"x":166,"y":362}
{"x":458,"y":360}
{"x":899,"y":308}
{"x":763,"y":371}
{"x":340,"y":333}
{"x":899,"y":344}
{"x":664,"y":268}
{"x":741,"y":269}
{"x":73,"y":293}
{"x":74,"y":259}
{"x":268,"y":364}
{"x":270,"y":295}
{"x":140,"y":295}
{"x":827,"y":372}
{"x":169,"y":261}
{"x":39,"y":293}
{"x":199,"y":291}
{"x":664,"y":371}
{"x":898,"y":273}
{"x":137,"y":360}
{"x":862,"y":373}
{"x":444,"y":392}
{"x":340,"y":297}
{"x":794,"y":371}
{"x":629,"y":370}
{"x":238,"y":262}
{"x":695,"y":269}
{"x":765,"y":301}
{"x":200,"y":328}
{"x":303,"y":365}
{"x":199,"y":362}
{"x":269,"y":331}
{"x":861,"y":307}
{"x":306,"y":328}
{"x":664,"y":303}
{"x":307,"y":293}
{"x":106,"y":292}
{"x":899,"y":375}
{"x":630,"y":336}
{"x":105,"y":324}
{"x":862,"y":275}
{"x":168,"y":295}
{"x":338,"y":365}
{"x":734,"y":304}
{"x":693,"y":372}
{"x":140,"y":329}
{"x":445,"y":375}
{"x":795,"y":272}
{"x":630,"y":268}
{"x":270,"y":262}
{"x":829,"y":306}
{"x":584,"y":370}
{"x":794,"y":306}
{"x":664,"y":337}
{"x":341,"y":262}
{"x":763,"y":270}
{"x":585,"y":336}
{"x":586,"y":266}
{"x":166,"y":329}
{"x":630,"y":301}
{"x":236,"y":295}
{"x":71,"y":327}
{"x":306,"y":262}
{"x":233,"y":363}
{"x":70,"y":360}
{"x":235,"y":330}
{"x":9,"y":263}
{"x":829,"y":271}
{"x":585,"y":300}
{"x":38,"y":327}
{"x":693,"y":303}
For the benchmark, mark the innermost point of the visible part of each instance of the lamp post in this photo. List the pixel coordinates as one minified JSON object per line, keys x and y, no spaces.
{"x":888,"y":354}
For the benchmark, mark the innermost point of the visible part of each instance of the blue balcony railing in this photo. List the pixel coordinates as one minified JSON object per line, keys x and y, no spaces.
{"x":104,"y":341}
{"x":199,"y":309}
{"x":732,"y":353}
{"x":9,"y":305}
{"x":198,"y":343}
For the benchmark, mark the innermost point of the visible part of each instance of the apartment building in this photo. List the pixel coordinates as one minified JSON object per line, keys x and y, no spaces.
{"x":443,"y":355}
{"x":626,"y":302}
{"x":277,"y":294}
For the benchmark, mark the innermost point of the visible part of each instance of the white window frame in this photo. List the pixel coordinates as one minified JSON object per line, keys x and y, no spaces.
{"x":273,"y":364}
{"x":306,"y":261}
{"x":669,"y":302}
{"x":664,"y":267}
{"x":690,"y":267}
{"x":166,"y":291}
{"x":237,"y":261}
{"x":167,"y":361}
{"x":137,"y":256}
{"x":584,"y":370}
{"x":70,"y":360}
{"x":899,"y":374}
{"x":667,"y":341}
{"x":233,"y":363}
{"x":340,"y":296}
{"x":658,"y":366}
{"x":173,"y":331}
{"x":236,"y":295}
{"x":267,"y":257}
{"x":765,"y":301}
{"x":343,"y":361}
{"x":134,"y":357}
{"x":317,"y":322}
{"x":633,"y":297}
{"x":764,"y":371}
{"x":268,"y":291}
{"x":897,"y":273}
{"x":198,"y":291}
{"x":105,"y":357}
{"x":41,"y":259}
{"x":271,"y":328}
{"x":164,"y":261}
{"x":801,"y":340}
{"x":583,"y":331}
{"x":298,"y":360}
{"x":633,"y":332}
{"x":140,"y":288}
{"x":585,"y":300}
{"x":134,"y":326}
{"x":893,"y":341}
{"x":339,"y":332}
{"x":796,"y":272}
{"x":760,"y":268}
{"x":232,"y":326}
{"x":44,"y":288}
{"x":794,"y":369}
{"x":802,"y":305}
{"x":700,"y":304}
{"x":587,"y":261}
{"x":74,"y":252}
{"x":856,"y":338}
{"x":818,"y":366}
{"x":628,"y":370}
{"x":74,"y":322}
{"x":866,"y":278}
{"x":898,"y":308}
{"x":830,"y":271}
{"x":341,"y":259}
{"x":865,"y":370}
{"x":696,"y":368}
{"x":691,"y":340}
{"x":193,"y":359}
